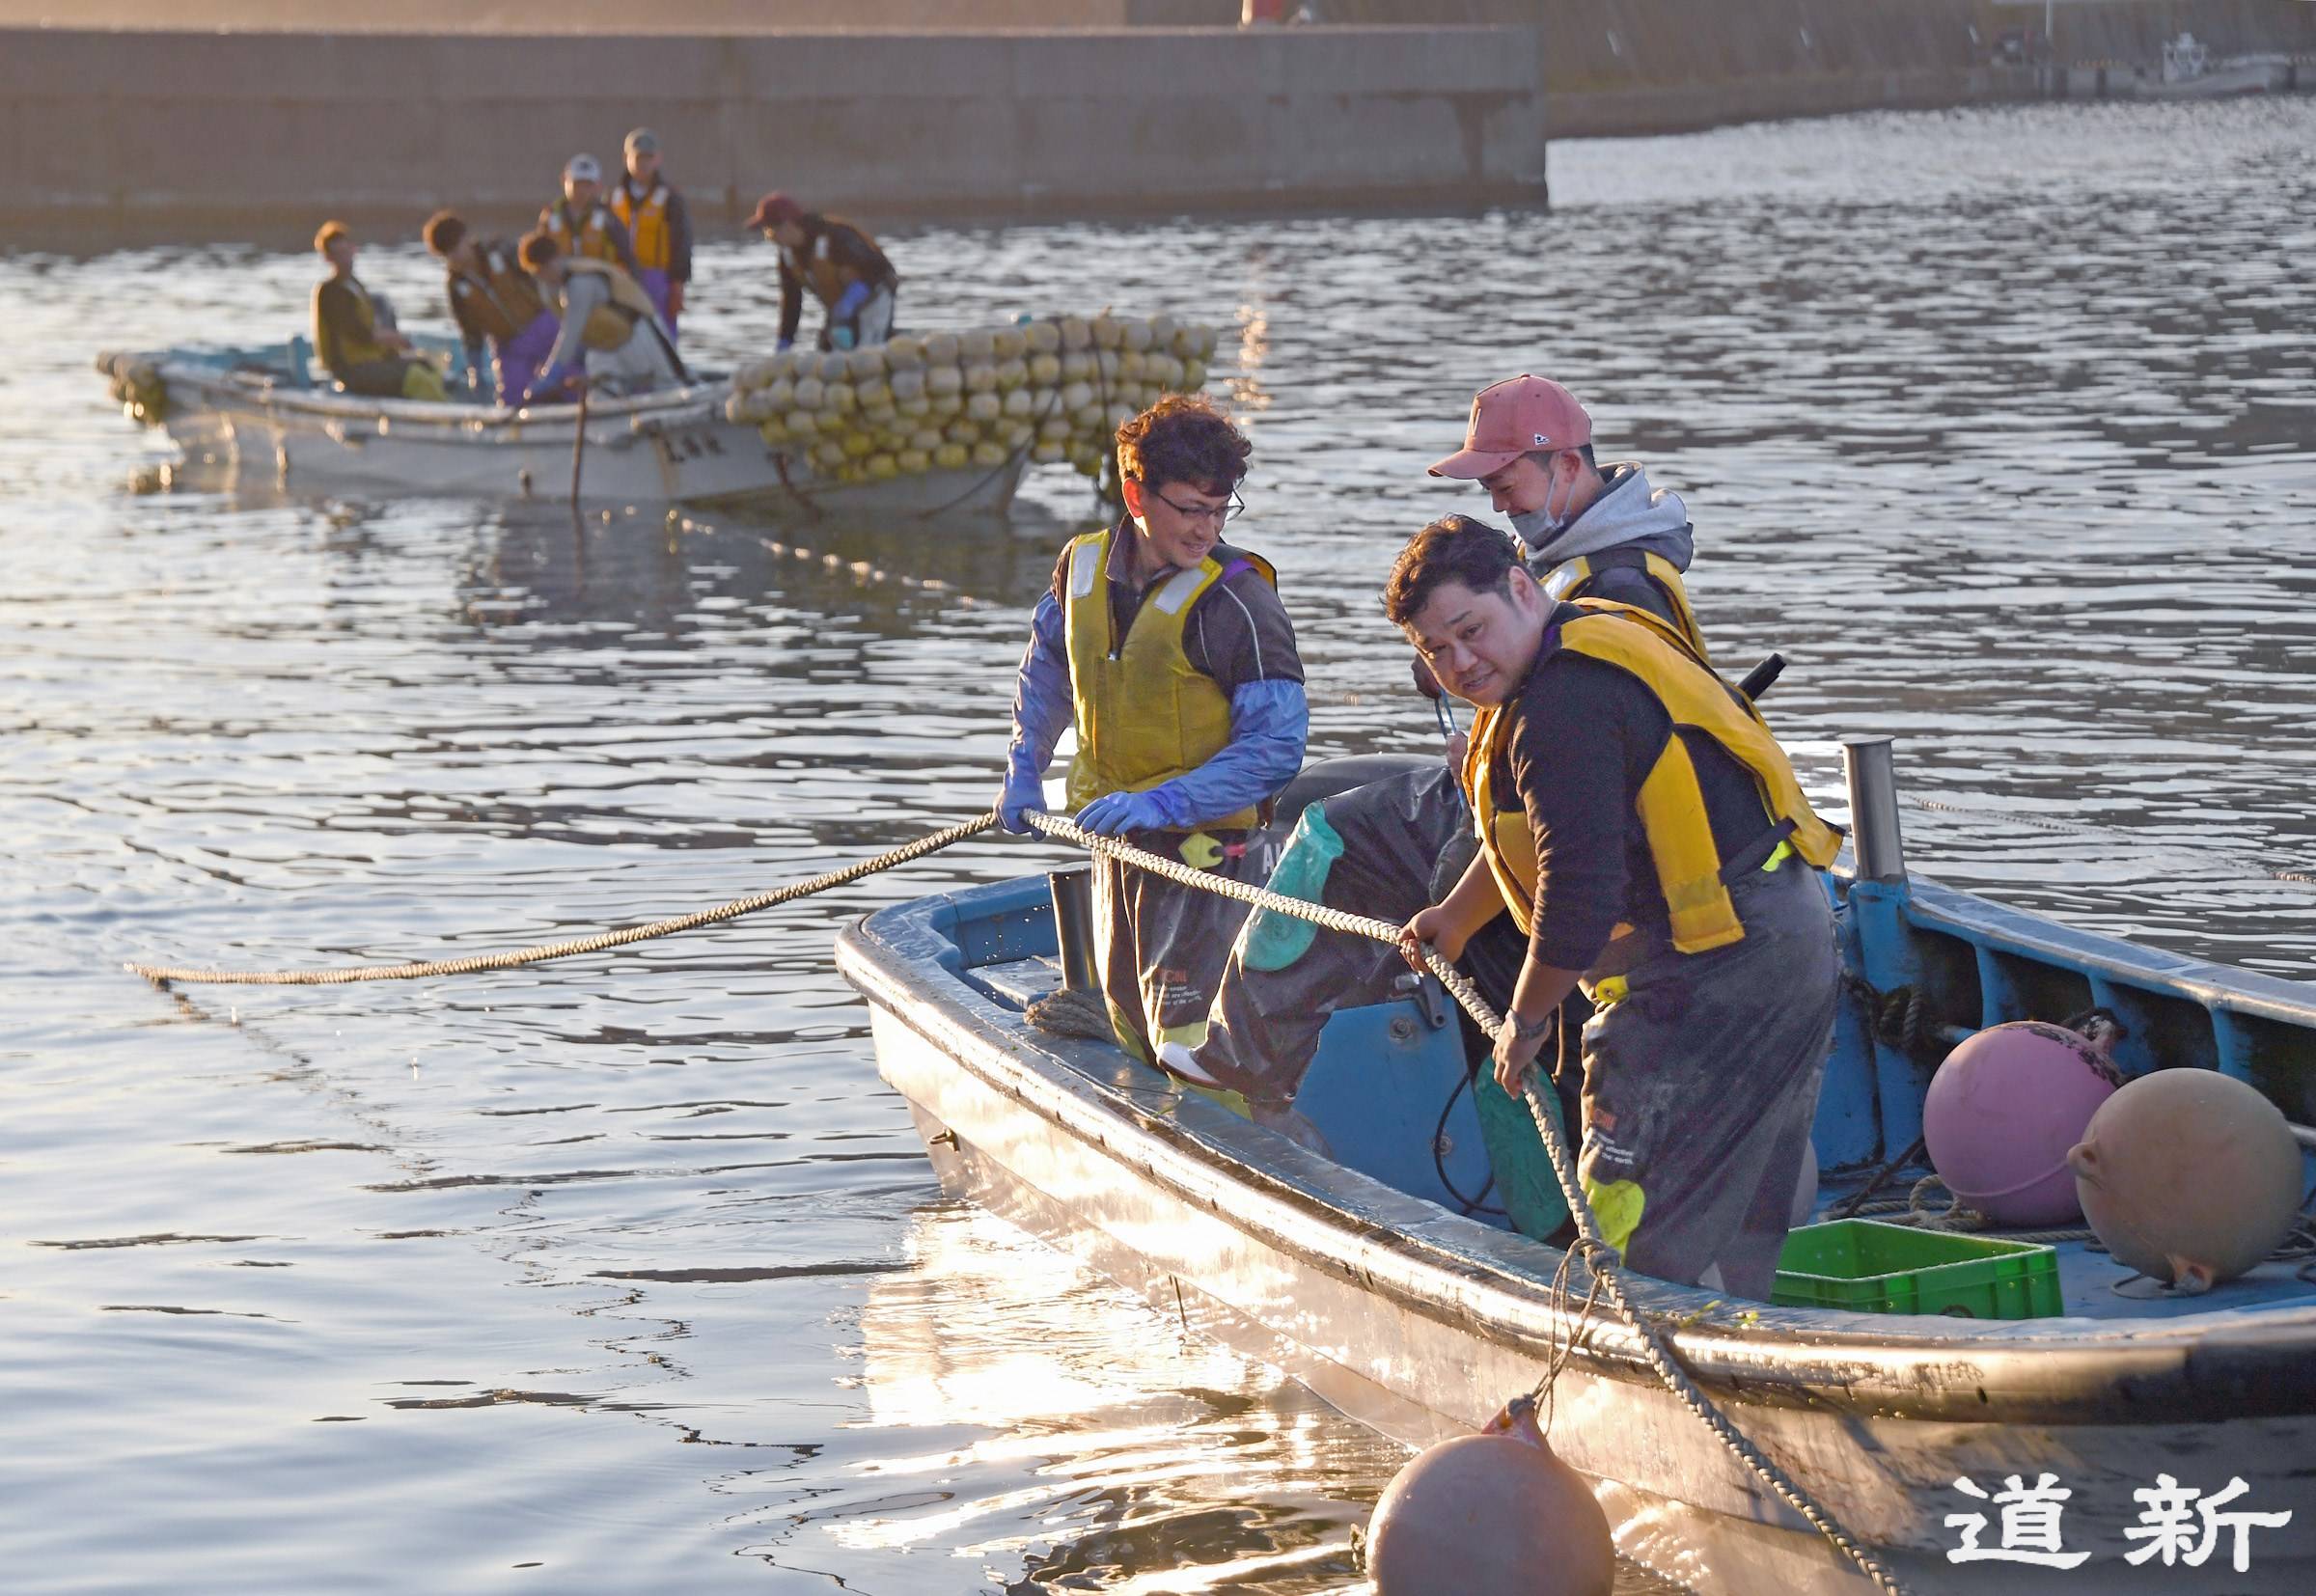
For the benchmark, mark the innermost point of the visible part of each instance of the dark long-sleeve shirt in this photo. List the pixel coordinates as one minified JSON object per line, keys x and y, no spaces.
{"x":835,"y":255}
{"x":1584,"y":735}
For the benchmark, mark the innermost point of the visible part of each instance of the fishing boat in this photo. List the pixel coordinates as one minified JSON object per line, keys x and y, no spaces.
{"x":942,"y":423}
{"x":1358,"y":1272}
{"x":255,"y":415}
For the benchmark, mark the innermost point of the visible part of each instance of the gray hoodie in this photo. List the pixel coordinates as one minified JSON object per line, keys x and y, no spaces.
{"x":1627,"y":516}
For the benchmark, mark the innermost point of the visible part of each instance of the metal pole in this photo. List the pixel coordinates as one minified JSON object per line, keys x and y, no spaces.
{"x":1874,"y":809}
{"x":1073,"y":926}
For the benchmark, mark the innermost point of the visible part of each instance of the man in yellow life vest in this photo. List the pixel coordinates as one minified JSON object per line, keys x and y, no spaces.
{"x":659,"y":224}
{"x":495,"y":303}
{"x":840,"y":262}
{"x":1379,"y":849}
{"x":1649,"y":839}
{"x":609,"y":335}
{"x":354,"y":338}
{"x":582,"y":226}
{"x":1169,"y":651}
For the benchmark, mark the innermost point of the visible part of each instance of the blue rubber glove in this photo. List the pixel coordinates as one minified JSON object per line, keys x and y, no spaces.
{"x":1115,"y":814}
{"x":784,"y":345}
{"x":849,"y":302}
{"x":1019,"y":794}
{"x":841,"y":337}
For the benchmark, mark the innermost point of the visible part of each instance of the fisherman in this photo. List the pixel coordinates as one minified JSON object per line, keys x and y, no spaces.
{"x":1378,"y":849}
{"x":581,"y":225}
{"x":659,"y":224}
{"x":1172,"y":650}
{"x":353,"y":332}
{"x":609,"y":335}
{"x":1651,"y":841}
{"x":846,"y":272}
{"x":494,"y":301}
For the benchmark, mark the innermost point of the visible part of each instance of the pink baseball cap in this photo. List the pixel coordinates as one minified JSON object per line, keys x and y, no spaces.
{"x":1514,"y":418}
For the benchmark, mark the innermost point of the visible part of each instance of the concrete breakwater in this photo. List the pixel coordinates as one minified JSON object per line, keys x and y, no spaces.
{"x":210,"y":135}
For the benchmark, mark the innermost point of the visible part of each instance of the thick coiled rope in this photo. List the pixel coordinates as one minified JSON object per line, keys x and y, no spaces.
{"x":596,"y":942}
{"x":1600,"y":1259}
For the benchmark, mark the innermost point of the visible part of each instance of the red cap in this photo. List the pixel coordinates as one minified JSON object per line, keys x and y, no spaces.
{"x":775,"y":209}
{"x":1515,"y":418}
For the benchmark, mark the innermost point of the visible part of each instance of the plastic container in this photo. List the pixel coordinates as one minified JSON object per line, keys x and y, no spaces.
{"x":1873,"y":1268}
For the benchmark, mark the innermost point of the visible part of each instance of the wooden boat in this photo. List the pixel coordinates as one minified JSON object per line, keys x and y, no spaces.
{"x":252,"y":414}
{"x":1355,"y":1273}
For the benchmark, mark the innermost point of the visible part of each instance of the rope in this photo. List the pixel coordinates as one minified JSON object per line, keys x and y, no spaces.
{"x":592,"y":944}
{"x":1600,"y":1259}
{"x":2078,"y":828}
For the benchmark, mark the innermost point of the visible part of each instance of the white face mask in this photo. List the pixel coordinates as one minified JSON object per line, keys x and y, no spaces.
{"x":1537,"y":527}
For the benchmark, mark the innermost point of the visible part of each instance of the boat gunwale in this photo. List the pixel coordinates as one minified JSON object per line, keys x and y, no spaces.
{"x":2117,"y":1371}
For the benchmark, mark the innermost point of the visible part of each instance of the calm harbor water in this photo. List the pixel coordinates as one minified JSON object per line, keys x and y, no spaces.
{"x":627,"y":1274}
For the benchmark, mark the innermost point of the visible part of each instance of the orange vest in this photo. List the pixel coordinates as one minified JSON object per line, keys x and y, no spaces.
{"x":647,"y":223}
{"x":592,"y":240}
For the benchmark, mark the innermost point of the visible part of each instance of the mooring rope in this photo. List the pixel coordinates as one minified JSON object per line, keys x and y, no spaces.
{"x":1601,"y":1260}
{"x":596,"y":942}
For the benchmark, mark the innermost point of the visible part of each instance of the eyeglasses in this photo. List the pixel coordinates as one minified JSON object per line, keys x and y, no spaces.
{"x":1217,"y":514}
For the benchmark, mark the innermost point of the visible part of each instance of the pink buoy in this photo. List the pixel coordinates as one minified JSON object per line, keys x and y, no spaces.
{"x":2002,"y":1111}
{"x":1492,"y":1514}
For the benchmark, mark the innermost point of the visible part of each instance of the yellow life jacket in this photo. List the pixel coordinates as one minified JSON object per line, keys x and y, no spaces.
{"x":1691,"y":872}
{"x":591,"y":240}
{"x":339,"y":356}
{"x":1572,"y":578}
{"x":647,"y":223}
{"x":610,"y":326}
{"x":500,"y":297}
{"x":1145,"y":713}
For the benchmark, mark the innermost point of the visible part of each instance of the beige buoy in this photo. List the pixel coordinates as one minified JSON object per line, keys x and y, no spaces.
{"x":1043,"y":336}
{"x":950,"y":455}
{"x":980,"y":377}
{"x":977,"y":347}
{"x":865,"y":364}
{"x":913,"y":461}
{"x":903,"y":353}
{"x":1492,"y":1514}
{"x":1194,"y":375}
{"x":802,"y":423}
{"x":1076,"y":333}
{"x":941,"y":350}
{"x":2188,"y":1176}
{"x":809,"y":392}
{"x":1045,"y":370}
{"x":1010,"y":373}
{"x":1008,"y":344}
{"x":943,"y":379}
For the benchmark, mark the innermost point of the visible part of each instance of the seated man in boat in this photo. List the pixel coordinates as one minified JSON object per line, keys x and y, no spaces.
{"x":494,"y":301}
{"x":609,"y":335}
{"x":581,"y":225}
{"x":1586,"y":530}
{"x":1651,"y":842}
{"x":355,"y":343}
{"x":660,"y":225}
{"x":1172,"y":650}
{"x":847,"y":273}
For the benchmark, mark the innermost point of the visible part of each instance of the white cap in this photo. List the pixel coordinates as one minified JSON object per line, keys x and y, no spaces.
{"x":583,"y":169}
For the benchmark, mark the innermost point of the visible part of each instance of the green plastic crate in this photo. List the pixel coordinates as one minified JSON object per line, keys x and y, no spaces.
{"x":1873,"y":1268}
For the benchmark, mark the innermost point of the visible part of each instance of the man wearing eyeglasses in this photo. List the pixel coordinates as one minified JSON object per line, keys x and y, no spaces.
{"x":1170,"y":652}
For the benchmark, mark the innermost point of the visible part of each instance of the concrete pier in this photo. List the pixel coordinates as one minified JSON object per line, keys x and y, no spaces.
{"x":204,"y":135}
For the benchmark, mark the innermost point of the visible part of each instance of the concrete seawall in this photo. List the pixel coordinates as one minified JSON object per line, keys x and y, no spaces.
{"x":213,"y":135}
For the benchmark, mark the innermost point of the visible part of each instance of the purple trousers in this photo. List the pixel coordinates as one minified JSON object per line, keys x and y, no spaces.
{"x":519,"y":356}
{"x":655,"y":284}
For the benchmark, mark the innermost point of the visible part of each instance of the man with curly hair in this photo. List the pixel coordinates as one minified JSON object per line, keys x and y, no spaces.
{"x":1170,"y":652}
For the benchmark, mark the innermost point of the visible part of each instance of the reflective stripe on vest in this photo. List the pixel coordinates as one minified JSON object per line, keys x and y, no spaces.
{"x":646,"y":222}
{"x":592,"y":240}
{"x":1670,"y":806}
{"x":610,"y":326}
{"x":825,"y":277}
{"x":1145,"y":713}
{"x":1572,"y":579}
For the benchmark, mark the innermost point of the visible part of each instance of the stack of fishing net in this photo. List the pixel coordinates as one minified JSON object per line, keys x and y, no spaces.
{"x":137,"y":386}
{"x":1058,"y":390}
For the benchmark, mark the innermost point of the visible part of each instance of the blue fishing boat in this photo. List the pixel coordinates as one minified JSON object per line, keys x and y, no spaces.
{"x":2128,"y":1418}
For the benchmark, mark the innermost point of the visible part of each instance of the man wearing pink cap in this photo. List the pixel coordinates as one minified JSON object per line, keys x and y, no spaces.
{"x":1394,"y":846}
